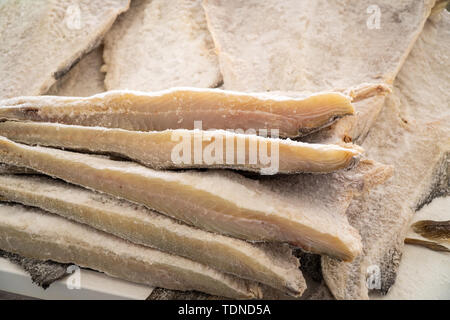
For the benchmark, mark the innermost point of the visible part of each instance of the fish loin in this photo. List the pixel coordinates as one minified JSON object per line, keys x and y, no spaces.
{"x":412,"y":134}
{"x":35,"y":234}
{"x":159,"y":44}
{"x":297,"y":45}
{"x":172,"y":149}
{"x":42,"y":40}
{"x":213,"y":201}
{"x":273,"y":265}
{"x":84,"y":79}
{"x":181,"y":108}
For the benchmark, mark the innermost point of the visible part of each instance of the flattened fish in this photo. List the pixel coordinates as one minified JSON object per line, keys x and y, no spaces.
{"x":412,"y":134}
{"x":273,"y":265}
{"x":35,"y":234}
{"x":171,"y":149}
{"x":317,"y":45}
{"x":159,"y":44}
{"x":220,"y":202}
{"x":42,"y":39}
{"x":180,"y":108}
{"x":299,"y":45}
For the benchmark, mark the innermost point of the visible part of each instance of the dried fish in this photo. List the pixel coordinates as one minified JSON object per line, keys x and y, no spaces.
{"x":412,"y":133}
{"x":159,"y":44}
{"x":41,"y":42}
{"x":293,"y":45}
{"x":213,"y":201}
{"x":180,"y":108}
{"x":35,"y":234}
{"x":273,"y":265}
{"x":171,"y":149}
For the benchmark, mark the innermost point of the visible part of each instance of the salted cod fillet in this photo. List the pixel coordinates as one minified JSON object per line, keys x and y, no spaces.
{"x":35,"y":234}
{"x":159,"y":44}
{"x":412,"y":134}
{"x":213,"y":201}
{"x":84,"y":79}
{"x":180,"y":108}
{"x":42,"y":39}
{"x":273,"y":265}
{"x":315,"y":46}
{"x":300,"y":45}
{"x":157,"y":149}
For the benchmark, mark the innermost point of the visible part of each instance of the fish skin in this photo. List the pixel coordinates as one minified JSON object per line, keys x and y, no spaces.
{"x":32,"y":233}
{"x":213,"y":201}
{"x":427,"y":244}
{"x":154,"y":149}
{"x":273,"y":265}
{"x":178,"y":108}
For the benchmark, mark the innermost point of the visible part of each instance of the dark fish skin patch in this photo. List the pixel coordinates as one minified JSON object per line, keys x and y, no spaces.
{"x":427,"y":244}
{"x":43,"y":273}
{"x":435,"y":230}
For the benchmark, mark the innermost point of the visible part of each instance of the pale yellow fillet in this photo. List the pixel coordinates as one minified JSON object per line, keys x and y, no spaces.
{"x":179,"y":108}
{"x":35,"y":234}
{"x":273,"y":265}
{"x":221,"y":202}
{"x":167,"y":149}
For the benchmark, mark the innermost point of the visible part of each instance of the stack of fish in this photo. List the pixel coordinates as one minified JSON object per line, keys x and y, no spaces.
{"x":198,"y":187}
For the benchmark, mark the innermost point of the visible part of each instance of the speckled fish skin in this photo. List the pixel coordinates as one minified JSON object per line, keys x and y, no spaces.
{"x":213,"y":201}
{"x":35,"y":234}
{"x":154,"y":149}
{"x":273,"y":265}
{"x":178,"y":108}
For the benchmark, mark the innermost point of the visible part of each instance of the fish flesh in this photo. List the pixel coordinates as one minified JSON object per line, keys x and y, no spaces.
{"x":159,"y":44}
{"x":412,"y":134}
{"x":84,"y":79}
{"x":300,"y":45}
{"x":35,"y":234}
{"x":213,"y":201}
{"x":181,"y":108}
{"x":273,"y":265}
{"x":171,"y":149}
{"x":42,"y":40}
